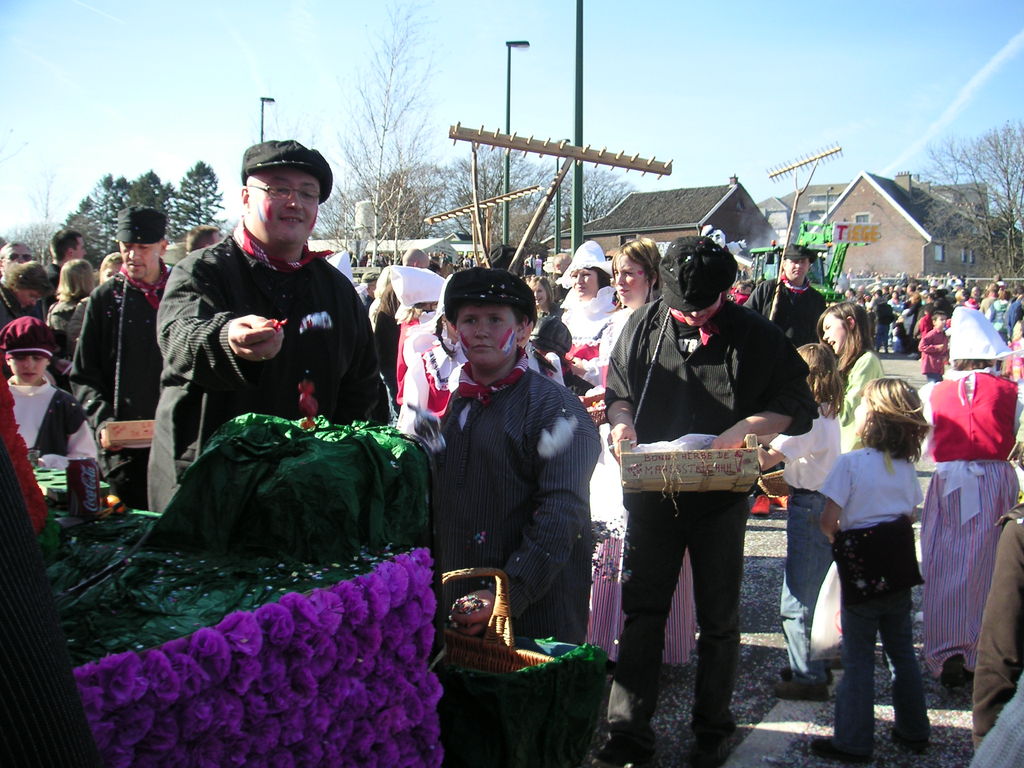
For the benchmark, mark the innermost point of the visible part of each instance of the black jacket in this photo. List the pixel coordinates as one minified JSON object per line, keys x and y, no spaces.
{"x":327,"y":340}
{"x":796,"y":314}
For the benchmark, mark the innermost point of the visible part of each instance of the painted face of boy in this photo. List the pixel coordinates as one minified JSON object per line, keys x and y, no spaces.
{"x":489,"y":334}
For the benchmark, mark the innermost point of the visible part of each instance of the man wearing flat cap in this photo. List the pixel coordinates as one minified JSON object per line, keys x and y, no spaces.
{"x":506,"y":496}
{"x":691,"y":363}
{"x":248,"y":320}
{"x":116,"y":370}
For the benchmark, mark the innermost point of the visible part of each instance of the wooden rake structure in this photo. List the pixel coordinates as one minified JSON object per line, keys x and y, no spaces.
{"x":793,"y":168}
{"x":488,"y":207}
{"x":563,"y":149}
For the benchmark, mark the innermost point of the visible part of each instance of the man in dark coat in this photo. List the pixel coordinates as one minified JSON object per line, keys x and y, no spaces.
{"x":247,"y":321}
{"x":116,"y":370}
{"x":791,"y":302}
{"x":691,"y":362}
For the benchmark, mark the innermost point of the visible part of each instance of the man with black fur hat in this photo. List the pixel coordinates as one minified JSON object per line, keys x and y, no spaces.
{"x":248,"y":320}
{"x":116,"y":370}
{"x":513,"y":482}
{"x":691,"y":362}
{"x":791,"y":302}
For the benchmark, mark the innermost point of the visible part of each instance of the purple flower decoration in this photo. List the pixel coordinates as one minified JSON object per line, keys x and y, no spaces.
{"x":162,"y":737}
{"x":337,"y":677}
{"x":192,"y":677}
{"x":211,"y":651}
{"x":396,"y":577}
{"x":277,"y":623}
{"x":242,"y":633}
{"x":329,"y":609}
{"x":133,"y":725}
{"x":164,"y":684}
{"x":245,"y":670}
{"x":378,"y":597}
{"x":352,"y":602}
{"x":121,"y":678}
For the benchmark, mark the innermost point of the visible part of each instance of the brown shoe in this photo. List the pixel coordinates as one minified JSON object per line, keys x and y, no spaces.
{"x":794,"y":691}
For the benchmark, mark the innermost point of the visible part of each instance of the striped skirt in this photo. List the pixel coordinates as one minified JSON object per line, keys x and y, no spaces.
{"x":609,"y":527}
{"x":957,"y":562}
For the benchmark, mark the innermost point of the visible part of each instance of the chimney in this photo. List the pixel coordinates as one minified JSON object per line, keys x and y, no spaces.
{"x":903,"y":180}
{"x":734,"y":180}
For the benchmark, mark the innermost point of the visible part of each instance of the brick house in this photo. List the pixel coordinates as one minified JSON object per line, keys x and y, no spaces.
{"x":667,"y":214}
{"x":921,"y":231}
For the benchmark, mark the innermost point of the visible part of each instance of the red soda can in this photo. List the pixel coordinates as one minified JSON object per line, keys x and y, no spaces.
{"x":83,"y":481}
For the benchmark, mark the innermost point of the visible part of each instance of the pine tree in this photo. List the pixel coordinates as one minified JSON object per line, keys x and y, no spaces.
{"x":199,"y":199}
{"x":149,"y":191}
{"x":96,"y":215}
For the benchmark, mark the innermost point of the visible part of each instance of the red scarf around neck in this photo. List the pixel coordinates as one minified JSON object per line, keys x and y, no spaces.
{"x":152,"y":291}
{"x":468,"y":387}
{"x":796,"y":288}
{"x":254,"y":248}
{"x":707,"y":330}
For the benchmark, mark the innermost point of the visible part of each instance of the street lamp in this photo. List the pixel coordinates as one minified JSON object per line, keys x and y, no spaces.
{"x":509,"y":44}
{"x":264,"y":100}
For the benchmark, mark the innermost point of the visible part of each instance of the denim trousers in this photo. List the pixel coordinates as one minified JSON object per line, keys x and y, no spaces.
{"x":855,"y":699}
{"x":882,"y":337}
{"x":660,"y":530}
{"x":808,"y":556}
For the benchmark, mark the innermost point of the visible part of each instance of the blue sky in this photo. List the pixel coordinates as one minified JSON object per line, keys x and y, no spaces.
{"x":122,"y":86}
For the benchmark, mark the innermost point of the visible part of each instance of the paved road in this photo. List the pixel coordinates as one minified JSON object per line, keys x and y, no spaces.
{"x":776,"y":733}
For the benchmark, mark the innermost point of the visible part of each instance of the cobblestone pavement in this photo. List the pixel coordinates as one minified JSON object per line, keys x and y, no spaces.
{"x":777,"y":733}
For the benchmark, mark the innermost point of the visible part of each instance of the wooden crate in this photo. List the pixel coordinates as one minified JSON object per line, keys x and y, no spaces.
{"x":130,"y":434}
{"x":733,"y":469}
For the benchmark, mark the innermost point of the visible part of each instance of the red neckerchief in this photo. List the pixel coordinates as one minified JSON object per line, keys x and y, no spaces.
{"x":150,"y":290}
{"x":248,"y":243}
{"x":468,"y":387}
{"x":706,"y":331}
{"x":795,"y":288}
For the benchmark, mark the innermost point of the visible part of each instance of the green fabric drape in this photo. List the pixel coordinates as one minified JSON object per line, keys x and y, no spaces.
{"x":267,"y":509}
{"x":265,"y":486}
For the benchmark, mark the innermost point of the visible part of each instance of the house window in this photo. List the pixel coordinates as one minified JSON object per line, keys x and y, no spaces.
{"x":940,"y":253}
{"x":963,"y":255}
{"x":970,"y":255}
{"x":862,"y":218}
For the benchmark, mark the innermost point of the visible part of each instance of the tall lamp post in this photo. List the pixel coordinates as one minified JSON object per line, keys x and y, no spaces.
{"x":264,"y":100}
{"x":509,"y":44}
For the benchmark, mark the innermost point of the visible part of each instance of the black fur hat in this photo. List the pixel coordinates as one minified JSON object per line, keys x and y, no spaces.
{"x":694,"y":272}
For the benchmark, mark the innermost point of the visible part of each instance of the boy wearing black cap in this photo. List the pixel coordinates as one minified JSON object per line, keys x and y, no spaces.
{"x":116,"y":370}
{"x":249,"y":319}
{"x":691,"y":362}
{"x":513,"y":481}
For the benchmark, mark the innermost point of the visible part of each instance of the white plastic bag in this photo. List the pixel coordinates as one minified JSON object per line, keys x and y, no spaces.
{"x":826,"y":626}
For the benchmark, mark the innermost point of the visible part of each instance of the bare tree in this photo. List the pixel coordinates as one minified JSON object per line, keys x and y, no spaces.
{"x":387,"y":141}
{"x":984,"y":179}
{"x":45,"y":198}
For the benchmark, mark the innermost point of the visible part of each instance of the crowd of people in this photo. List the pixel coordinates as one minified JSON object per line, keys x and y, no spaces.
{"x":525,"y":389}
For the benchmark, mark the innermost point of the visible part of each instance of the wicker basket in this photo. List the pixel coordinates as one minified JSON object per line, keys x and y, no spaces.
{"x":772,"y":484}
{"x":595,"y":407}
{"x":495,"y":650}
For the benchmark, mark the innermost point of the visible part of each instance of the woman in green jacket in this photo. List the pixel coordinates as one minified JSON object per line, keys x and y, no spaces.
{"x":846,"y":327}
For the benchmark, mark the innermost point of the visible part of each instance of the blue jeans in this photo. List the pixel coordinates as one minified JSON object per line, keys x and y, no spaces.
{"x":855,"y":699}
{"x":808,"y":556}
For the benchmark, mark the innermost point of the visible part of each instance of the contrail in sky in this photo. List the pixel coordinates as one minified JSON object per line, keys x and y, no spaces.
{"x":1005,"y":54}
{"x":98,"y":11}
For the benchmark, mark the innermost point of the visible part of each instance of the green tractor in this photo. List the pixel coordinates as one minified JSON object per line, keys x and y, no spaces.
{"x":825,"y":270}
